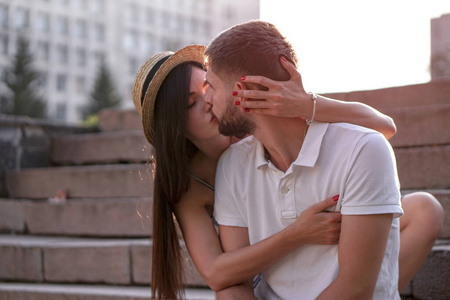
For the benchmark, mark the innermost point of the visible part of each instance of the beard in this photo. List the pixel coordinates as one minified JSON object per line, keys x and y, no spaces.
{"x":233,"y":123}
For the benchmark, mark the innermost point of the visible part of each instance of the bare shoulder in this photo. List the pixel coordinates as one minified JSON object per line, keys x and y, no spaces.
{"x":197,"y":195}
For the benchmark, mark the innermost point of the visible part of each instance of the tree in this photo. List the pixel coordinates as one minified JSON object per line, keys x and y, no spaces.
{"x":22,"y":81}
{"x":104,"y":94}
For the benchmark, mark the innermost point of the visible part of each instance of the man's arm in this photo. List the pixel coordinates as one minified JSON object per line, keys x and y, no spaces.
{"x":361,"y":250}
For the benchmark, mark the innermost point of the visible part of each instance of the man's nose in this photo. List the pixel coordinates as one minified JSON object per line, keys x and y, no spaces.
{"x":208,"y":97}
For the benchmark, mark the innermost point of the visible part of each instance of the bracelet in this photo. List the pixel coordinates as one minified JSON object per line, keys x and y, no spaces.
{"x":313,"y":98}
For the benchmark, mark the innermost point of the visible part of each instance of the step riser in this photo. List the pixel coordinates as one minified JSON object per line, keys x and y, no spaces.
{"x":100,"y":148}
{"x":107,"y":218}
{"x":417,"y":126}
{"x":109,"y":181}
{"x":119,"y":119}
{"x":119,"y":264}
{"x":432,"y":280}
{"x":424,"y":167}
{"x":18,"y":291}
{"x":90,"y":219}
{"x":431,"y":93}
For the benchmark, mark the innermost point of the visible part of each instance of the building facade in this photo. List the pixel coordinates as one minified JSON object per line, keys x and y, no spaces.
{"x":440,"y":47}
{"x":68,"y":39}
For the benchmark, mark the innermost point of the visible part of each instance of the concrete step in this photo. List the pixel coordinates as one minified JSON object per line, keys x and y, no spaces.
{"x":82,"y":260}
{"x":421,"y":125}
{"x":127,"y":217}
{"x":26,"y":291}
{"x":430,"y":93}
{"x":119,"y":120}
{"x":432,"y":280}
{"x":100,"y":148}
{"x":100,"y":181}
{"x":424,"y":167}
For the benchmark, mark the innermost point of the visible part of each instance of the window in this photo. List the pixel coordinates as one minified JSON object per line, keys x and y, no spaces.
{"x":81,"y":57}
{"x":63,"y":2}
{"x":81,"y":29}
{"x":42,"y":80}
{"x":62,"y":25}
{"x":99,"y":57}
{"x":43,"y":22}
{"x":133,"y":13}
{"x":133,"y":66}
{"x":97,"y":6}
{"x":3,"y":74}
{"x":3,"y":15}
{"x":22,"y":19}
{"x":99,"y":32}
{"x":62,"y":54}
{"x":80,"y":85}
{"x":80,"y":4}
{"x":61,"y":111}
{"x":43,"y":50}
{"x":3,"y":44}
{"x":131,"y":39}
{"x":61,"y":83}
{"x":147,"y":42}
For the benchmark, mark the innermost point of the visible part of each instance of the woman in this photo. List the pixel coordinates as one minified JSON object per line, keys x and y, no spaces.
{"x":168,"y":92}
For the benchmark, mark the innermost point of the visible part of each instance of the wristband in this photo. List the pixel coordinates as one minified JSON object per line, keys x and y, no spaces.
{"x":313,"y":98}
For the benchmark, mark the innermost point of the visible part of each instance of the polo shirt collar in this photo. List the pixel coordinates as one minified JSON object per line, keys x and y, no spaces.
{"x":311,"y":146}
{"x":310,"y":150}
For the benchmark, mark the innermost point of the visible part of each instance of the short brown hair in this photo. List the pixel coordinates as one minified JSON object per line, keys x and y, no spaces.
{"x":251,"y":48}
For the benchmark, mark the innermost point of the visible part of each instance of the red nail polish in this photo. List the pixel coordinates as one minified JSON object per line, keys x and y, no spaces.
{"x":247,"y":109}
{"x":336,"y":198}
{"x":237,"y":103}
{"x":234,"y":93}
{"x":283,"y":58}
{"x":242,"y":78}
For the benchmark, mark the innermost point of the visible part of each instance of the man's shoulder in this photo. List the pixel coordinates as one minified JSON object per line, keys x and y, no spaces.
{"x":347,"y":133}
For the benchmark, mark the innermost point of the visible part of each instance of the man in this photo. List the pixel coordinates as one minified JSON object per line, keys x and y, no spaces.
{"x":265,"y":181}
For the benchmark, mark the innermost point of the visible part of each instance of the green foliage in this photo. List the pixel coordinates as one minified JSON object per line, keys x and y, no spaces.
{"x":90,"y":121}
{"x":103,"y":94}
{"x":21,"y":79}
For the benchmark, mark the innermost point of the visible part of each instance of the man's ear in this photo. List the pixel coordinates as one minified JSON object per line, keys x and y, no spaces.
{"x":239,"y":86}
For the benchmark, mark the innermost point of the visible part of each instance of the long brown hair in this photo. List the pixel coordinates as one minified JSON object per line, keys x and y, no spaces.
{"x":172,"y":154}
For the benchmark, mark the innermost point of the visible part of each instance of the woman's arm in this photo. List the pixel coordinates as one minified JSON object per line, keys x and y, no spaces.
{"x":221,"y":270}
{"x":289,"y":99}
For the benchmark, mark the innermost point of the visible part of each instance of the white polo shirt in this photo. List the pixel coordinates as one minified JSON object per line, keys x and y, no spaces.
{"x":336,"y":159}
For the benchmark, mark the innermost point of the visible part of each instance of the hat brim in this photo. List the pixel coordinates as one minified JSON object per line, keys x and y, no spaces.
{"x":192,"y":53}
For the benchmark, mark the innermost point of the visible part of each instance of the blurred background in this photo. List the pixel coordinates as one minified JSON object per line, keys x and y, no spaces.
{"x":79,"y":47}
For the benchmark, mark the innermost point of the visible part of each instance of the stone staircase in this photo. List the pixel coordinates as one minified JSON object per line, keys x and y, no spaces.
{"x":97,"y":243}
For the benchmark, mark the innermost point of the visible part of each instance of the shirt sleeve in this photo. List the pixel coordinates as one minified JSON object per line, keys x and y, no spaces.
{"x":372,"y":185}
{"x":226,"y":209}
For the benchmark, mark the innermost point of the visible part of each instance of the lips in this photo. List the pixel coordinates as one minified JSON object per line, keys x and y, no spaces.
{"x":213,"y":116}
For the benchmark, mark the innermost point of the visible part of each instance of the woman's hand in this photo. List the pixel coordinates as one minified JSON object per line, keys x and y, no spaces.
{"x":316,"y":226}
{"x":282,"y":99}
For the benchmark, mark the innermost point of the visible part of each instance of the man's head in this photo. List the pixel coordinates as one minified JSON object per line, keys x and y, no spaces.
{"x":252,"y":48}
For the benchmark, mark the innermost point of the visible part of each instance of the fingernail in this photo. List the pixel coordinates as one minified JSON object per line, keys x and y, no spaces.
{"x":247,"y":109}
{"x":234,"y":93}
{"x":336,"y":198}
{"x":242,"y":78}
{"x":283,"y":58}
{"x":237,"y":103}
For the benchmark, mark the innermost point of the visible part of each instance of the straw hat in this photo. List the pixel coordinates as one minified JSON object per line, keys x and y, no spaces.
{"x":150,"y":77}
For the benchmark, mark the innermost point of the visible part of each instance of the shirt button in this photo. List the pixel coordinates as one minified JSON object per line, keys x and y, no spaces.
{"x":284,"y":189}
